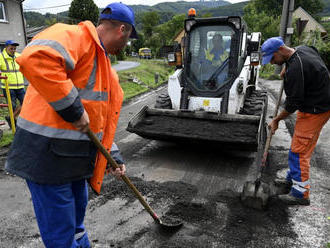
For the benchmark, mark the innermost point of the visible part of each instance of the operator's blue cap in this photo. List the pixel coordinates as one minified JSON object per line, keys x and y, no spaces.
{"x":11,"y":42}
{"x":269,"y":47}
{"x":120,"y":12}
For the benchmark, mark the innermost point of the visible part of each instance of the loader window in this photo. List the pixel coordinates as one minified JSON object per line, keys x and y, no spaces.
{"x":209,"y":49}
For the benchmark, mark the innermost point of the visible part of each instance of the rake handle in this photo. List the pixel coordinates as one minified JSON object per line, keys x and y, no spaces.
{"x":114,"y":165}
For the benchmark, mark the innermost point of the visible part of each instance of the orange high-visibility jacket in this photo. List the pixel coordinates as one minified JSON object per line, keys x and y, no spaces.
{"x":62,"y":63}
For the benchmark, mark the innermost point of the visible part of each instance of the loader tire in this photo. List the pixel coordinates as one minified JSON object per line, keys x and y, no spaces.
{"x":163,"y":101}
{"x":254,"y":103}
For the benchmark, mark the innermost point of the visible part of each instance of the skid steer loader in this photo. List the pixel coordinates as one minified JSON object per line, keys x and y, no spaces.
{"x":213,"y":96}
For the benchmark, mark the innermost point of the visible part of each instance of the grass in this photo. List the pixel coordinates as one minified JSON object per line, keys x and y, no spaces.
{"x":142,"y":78}
{"x":7,"y":138}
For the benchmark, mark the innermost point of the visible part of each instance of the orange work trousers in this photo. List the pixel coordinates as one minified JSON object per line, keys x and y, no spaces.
{"x":306,"y":133}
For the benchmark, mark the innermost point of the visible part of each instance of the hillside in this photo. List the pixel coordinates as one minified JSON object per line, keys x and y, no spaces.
{"x":166,"y":10}
{"x":178,"y":7}
{"x":233,"y":9}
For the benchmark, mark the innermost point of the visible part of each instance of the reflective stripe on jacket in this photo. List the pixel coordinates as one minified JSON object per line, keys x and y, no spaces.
{"x":10,"y":69}
{"x":66,"y":66}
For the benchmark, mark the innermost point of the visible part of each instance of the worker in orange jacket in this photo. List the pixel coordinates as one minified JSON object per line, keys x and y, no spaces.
{"x":72,"y":87}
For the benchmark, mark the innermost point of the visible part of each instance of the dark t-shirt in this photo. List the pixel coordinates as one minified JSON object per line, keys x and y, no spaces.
{"x":307,"y":82}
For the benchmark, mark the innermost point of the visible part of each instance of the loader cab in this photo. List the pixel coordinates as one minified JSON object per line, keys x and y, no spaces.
{"x":215,"y":54}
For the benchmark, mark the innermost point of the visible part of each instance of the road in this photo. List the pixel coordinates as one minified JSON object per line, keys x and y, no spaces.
{"x":199,"y":184}
{"x":125,"y":65}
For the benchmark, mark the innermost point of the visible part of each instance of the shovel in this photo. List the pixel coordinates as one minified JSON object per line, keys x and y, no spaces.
{"x":175,"y":224}
{"x":255,"y":194}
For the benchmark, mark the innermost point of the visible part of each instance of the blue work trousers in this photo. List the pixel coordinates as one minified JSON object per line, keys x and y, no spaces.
{"x":60,"y":212}
{"x":15,"y":94}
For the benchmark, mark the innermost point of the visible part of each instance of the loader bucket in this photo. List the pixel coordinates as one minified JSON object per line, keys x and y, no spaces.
{"x":240,"y":131}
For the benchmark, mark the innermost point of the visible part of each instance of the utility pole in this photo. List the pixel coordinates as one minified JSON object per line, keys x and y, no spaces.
{"x":286,"y":29}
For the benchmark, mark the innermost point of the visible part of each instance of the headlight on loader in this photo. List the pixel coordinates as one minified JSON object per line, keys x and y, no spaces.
{"x":254,"y":58}
{"x":171,"y":57}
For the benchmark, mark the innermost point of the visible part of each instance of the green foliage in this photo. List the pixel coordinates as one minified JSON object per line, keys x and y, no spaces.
{"x":228,"y":10}
{"x":322,"y":46}
{"x":82,"y":10}
{"x":50,"y":21}
{"x":179,"y":7}
{"x":138,"y":43}
{"x":121,"y":55}
{"x":274,"y":7}
{"x":171,"y":28}
{"x":7,"y":138}
{"x":268,"y":72}
{"x":34,"y":19}
{"x":145,"y":74}
{"x":261,"y":22}
{"x":149,"y":21}
{"x":326,"y":25}
{"x":158,"y":36}
{"x":155,"y":42}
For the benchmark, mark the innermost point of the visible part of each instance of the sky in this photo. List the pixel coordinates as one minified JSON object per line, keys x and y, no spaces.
{"x":42,"y":6}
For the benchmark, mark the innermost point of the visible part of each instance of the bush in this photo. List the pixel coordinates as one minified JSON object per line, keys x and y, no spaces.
{"x":121,"y":55}
{"x":268,"y":72}
{"x":322,"y":46}
{"x":324,"y":51}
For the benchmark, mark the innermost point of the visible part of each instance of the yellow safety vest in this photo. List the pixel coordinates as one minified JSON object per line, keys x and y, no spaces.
{"x":10,"y":68}
{"x":215,"y":62}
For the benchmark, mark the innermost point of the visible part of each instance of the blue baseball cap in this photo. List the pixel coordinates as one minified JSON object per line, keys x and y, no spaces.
{"x":120,"y":12}
{"x":269,"y":47}
{"x":11,"y":42}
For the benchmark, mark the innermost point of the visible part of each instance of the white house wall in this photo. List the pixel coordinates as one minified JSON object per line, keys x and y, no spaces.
{"x":13,"y":27}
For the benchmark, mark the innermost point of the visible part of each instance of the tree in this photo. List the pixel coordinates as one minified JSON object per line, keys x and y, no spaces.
{"x":81,"y":10}
{"x":261,"y":22}
{"x":264,"y":16}
{"x":274,"y":7}
{"x":138,"y":43}
{"x":149,"y":21}
{"x":169,"y":29}
{"x":34,"y":19}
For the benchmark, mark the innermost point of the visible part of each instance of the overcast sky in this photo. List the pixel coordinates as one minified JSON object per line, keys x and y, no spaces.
{"x":42,"y":6}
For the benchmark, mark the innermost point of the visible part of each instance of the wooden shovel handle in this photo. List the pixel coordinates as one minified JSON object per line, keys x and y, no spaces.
{"x":114,"y":165}
{"x":269,"y":138}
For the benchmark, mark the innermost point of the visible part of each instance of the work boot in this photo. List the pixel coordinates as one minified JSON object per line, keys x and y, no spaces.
{"x":283,"y":186}
{"x":291,"y":200}
{"x":9,"y":122}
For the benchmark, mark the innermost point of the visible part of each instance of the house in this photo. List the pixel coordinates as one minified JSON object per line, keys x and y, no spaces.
{"x":12,"y":23}
{"x":306,"y":23}
{"x":179,"y":36}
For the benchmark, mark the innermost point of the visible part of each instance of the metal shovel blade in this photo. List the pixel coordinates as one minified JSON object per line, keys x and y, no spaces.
{"x":169,"y":223}
{"x":255,"y":196}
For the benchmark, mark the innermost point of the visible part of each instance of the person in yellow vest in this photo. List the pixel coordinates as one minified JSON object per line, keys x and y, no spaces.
{"x":72,"y":88}
{"x":215,"y":57}
{"x":217,"y":54}
{"x":10,"y":68}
